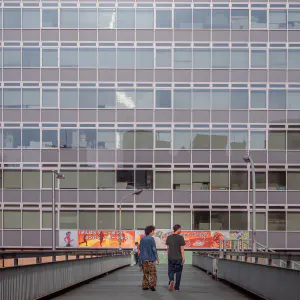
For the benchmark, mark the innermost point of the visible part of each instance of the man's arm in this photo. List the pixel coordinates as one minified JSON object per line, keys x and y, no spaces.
{"x":155,"y":250}
{"x":182,"y":250}
{"x":141,"y":254}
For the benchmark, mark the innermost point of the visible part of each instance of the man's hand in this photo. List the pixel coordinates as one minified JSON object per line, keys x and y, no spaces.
{"x":158,"y":260}
{"x":183,"y":260}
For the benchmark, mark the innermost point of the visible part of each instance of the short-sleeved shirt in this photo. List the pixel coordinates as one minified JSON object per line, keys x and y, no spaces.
{"x":175,"y":242}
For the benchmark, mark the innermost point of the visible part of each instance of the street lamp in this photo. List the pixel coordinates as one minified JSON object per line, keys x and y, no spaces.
{"x":137,"y":192}
{"x":59,"y":176}
{"x":248,"y":160}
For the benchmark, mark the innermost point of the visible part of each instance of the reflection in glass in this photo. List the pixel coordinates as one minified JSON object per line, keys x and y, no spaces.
{"x":239,"y":139}
{"x":182,"y":139}
{"x":11,"y":57}
{"x":11,"y":18}
{"x":144,"y":98}
{"x":107,"y":58}
{"x":31,"y":138}
{"x":69,"y":57}
{"x":258,"y":99}
{"x":220,"y":99}
{"x":219,"y":220}
{"x":163,"y":18}
{"x":239,"y":19}
{"x":163,"y":99}
{"x":201,"y":58}
{"x":162,"y":180}
{"x":106,"y":139}
{"x":294,"y":58}
{"x":277,"y":19}
{"x":163,"y":58}
{"x":239,"y":99}
{"x":50,"y":18}
{"x":31,"y":18}
{"x":277,"y":59}
{"x":49,"y":139}
{"x":11,"y":138}
{"x":258,"y":140}
{"x":144,"y":18}
{"x":125,"y":139}
{"x":69,"y":18}
{"x":221,"y":18}
{"x":201,"y":99}
{"x":144,"y":139}
{"x":12,"y":98}
{"x":277,"y":140}
{"x":87,"y":98}
{"x":31,"y":98}
{"x":258,"y":18}
{"x":31,"y":57}
{"x":125,"y":98}
{"x":293,"y":99}
{"x":49,"y":98}
{"x":181,"y":180}
{"x":69,"y":98}
{"x":107,"y":18}
{"x":87,"y":18}
{"x":200,"y":139}
{"x":87,"y":138}
{"x":239,"y":59}
{"x":183,"y":18}
{"x":182,"y":99}
{"x":69,"y":138}
{"x":106,"y":98}
{"x":201,"y":18}
{"x":277,"y":99}
{"x":50,"y":58}
{"x":258,"y":58}
{"x":220,"y":139}
{"x":144,"y":58}
{"x":125,"y":58}
{"x":163,"y":139}
{"x":126,"y":18}
{"x":87,"y":58}
{"x":182,"y":58}
{"x":220,"y":58}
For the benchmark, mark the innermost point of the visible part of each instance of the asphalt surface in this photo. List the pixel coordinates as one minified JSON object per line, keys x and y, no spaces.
{"x":125,"y":284}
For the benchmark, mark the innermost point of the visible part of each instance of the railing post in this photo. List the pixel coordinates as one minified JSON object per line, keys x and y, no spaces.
{"x":38,"y":261}
{"x":67,"y":257}
{"x":53,"y":258}
{"x":289,"y":264}
{"x":16,"y":262}
{"x":270,"y":261}
{"x":220,"y":250}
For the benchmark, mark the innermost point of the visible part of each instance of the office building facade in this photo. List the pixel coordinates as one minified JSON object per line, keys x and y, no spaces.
{"x":167,"y":96}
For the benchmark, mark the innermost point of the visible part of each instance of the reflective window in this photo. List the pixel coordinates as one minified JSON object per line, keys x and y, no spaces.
{"x":182,"y":139}
{"x":220,"y":99}
{"x":260,"y":220}
{"x":106,"y":179}
{"x":87,"y":138}
{"x":69,"y":98}
{"x":107,"y":18}
{"x":183,"y":218}
{"x":12,"y":98}
{"x":144,"y":18}
{"x":183,"y":99}
{"x":144,"y":98}
{"x":201,"y":58}
{"x":49,"y":138}
{"x":142,"y":218}
{"x":31,"y":138}
{"x":219,"y":180}
{"x":219,"y":220}
{"x":183,"y":18}
{"x":125,"y":139}
{"x":239,"y":19}
{"x":277,"y":180}
{"x":50,"y":18}
{"x":200,"y":180}
{"x":163,"y":219}
{"x":144,"y":58}
{"x":50,"y":57}
{"x":258,"y":140}
{"x":239,"y":99}
{"x":87,"y":98}
{"x":163,"y":99}
{"x":294,"y":59}
{"x":31,"y":18}
{"x":31,"y":219}
{"x":200,"y":139}
{"x":221,"y":18}
{"x":201,"y":220}
{"x":260,"y":180}
{"x":87,"y":18}
{"x":293,"y":19}
{"x":11,"y":138}
{"x":69,"y":57}
{"x":277,"y":99}
{"x":11,"y":219}
{"x":106,"y":220}
{"x":238,"y":220}
{"x":258,"y":58}
{"x":31,"y":57}
{"x":107,"y":58}
{"x":68,"y":219}
{"x":126,"y":58}
{"x":293,"y":99}
{"x":49,"y":98}
{"x":293,"y":140}
{"x":125,"y":18}
{"x":11,"y":18}
{"x":163,"y":58}
{"x":87,"y":219}
{"x":220,"y":139}
{"x":181,"y":180}
{"x":240,"y":59}
{"x":293,"y":221}
{"x":277,"y":140}
{"x":162,"y":180}
{"x":69,"y":138}
{"x":259,"y":18}
{"x":220,"y":58}
{"x":125,"y":179}
{"x":182,"y":58}
{"x":31,"y":98}
{"x":69,"y":18}
{"x":201,"y":99}
{"x":258,"y":99}
{"x":1,"y":65}
{"x":144,"y":139}
{"x":125,"y":98}
{"x":239,"y":180}
{"x":276,"y":221}
{"x":277,"y":19}
{"x":163,"y":139}
{"x":106,"y":139}
{"x":106,"y":98}
{"x":202,"y":18}
{"x":163,"y":18}
{"x":87,"y":58}
{"x":238,"y":139}
{"x":11,"y":57}
{"x":277,"y":59}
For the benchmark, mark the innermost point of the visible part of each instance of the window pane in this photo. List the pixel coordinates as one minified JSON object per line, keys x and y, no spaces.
{"x":201,"y":220}
{"x":239,"y":181}
{"x":69,"y":138}
{"x":258,"y":140}
{"x":183,"y":218}
{"x":106,"y":98}
{"x":11,"y":57}
{"x":143,"y":179}
{"x":162,"y":180}
{"x":293,"y":99}
{"x":144,"y":98}
{"x":163,"y":58}
{"x":201,"y":58}
{"x":126,"y":58}
{"x":47,"y":180}
{"x":183,"y":99}
{"x":219,"y":139}
{"x":260,"y":221}
{"x":87,"y":18}
{"x":219,"y":220}
{"x":11,"y":138}
{"x":68,"y":220}
{"x":31,"y":57}
{"x":69,"y":58}
{"x":87,"y":138}
{"x":294,"y":59}
{"x":68,"y":98}
{"x":277,"y":180}
{"x":182,"y":139}
{"x":239,"y":99}
{"x":163,"y":18}
{"x":144,"y":58}
{"x":31,"y":220}
{"x":70,"y":181}
{"x":276,"y":221}
{"x":127,"y":220}
{"x":293,"y":19}
{"x":201,"y":99}
{"x":277,"y":99}
{"x":107,"y":58}
{"x":87,"y":220}
{"x":239,"y":220}
{"x":50,"y":139}
{"x":181,"y":180}
{"x":69,"y":18}
{"x":11,"y":18}
{"x":106,"y":139}
{"x":106,"y":220}
{"x":239,"y":19}
{"x":260,"y":180}
{"x":202,"y":18}
{"x":31,"y":18}
{"x":277,"y":140}
{"x":144,"y":139}
{"x":31,"y":98}
{"x":258,"y":99}
{"x":238,"y":139}
{"x":278,"y":19}
{"x":200,"y":180}
{"x":163,"y":139}
{"x":31,"y":138}
{"x":88,"y":58}
{"x":144,"y":18}
{"x":163,"y":99}
{"x":293,"y":221}
{"x":49,"y":98}
{"x":106,"y":18}
{"x":11,"y":179}
{"x":240,"y":59}
{"x":258,"y":58}
{"x":219,"y":180}
{"x":87,"y":98}
{"x":221,"y":18}
{"x":106,"y":179}
{"x":183,"y":18}
{"x":293,"y":181}
{"x":182,"y":58}
{"x":47,"y":220}
{"x":259,"y":18}
{"x":143,"y":219}
{"x":50,"y":58}
{"x":125,"y":139}
{"x":125,"y":18}
{"x":220,"y":58}
{"x":11,"y":219}
{"x":200,"y":139}
{"x":162,"y":220}
{"x":293,"y":140}
{"x":12,"y":98}
{"x":125,"y":98}
{"x":50,"y":18}
{"x":220,"y":99}
{"x":277,"y":59}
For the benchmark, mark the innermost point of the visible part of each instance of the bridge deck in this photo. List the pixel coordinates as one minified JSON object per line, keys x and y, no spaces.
{"x":125,"y":284}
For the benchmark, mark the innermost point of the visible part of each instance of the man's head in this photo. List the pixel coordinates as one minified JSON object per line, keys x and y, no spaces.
{"x":177,"y":228}
{"x":149,"y":230}
{"x":136,"y":243}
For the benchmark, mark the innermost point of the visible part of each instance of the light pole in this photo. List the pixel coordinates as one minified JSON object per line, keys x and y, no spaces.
{"x":55,"y":175}
{"x":137,"y":192}
{"x":248,"y":160}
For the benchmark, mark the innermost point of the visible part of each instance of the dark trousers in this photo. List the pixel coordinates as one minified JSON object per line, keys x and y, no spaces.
{"x":136,"y":257}
{"x":175,"y":267}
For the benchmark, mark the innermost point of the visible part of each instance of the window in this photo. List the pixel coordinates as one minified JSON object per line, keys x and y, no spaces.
{"x":183,"y":218}
{"x":11,"y":18}
{"x":162,"y":220}
{"x":259,"y":18}
{"x":144,"y":98}
{"x":47,"y":177}
{"x":69,"y":18}
{"x":277,"y":19}
{"x":220,"y":58}
{"x":125,"y":58}
{"x":87,"y":18}
{"x":258,"y":140}
{"x":220,"y":99}
{"x":47,"y":220}
{"x":260,"y":221}
{"x":68,"y":220}
{"x":11,"y":138}
{"x":181,"y":180}
{"x":200,"y":180}
{"x":258,"y":99}
{"x":277,"y":180}
{"x":106,"y":98}
{"x":183,"y":18}
{"x":163,"y":18}
{"x":293,"y":181}
{"x":50,"y":18}
{"x":293,"y":221}
{"x":11,"y":179}
{"x":163,"y":58}
{"x":182,"y":58}
{"x":163,"y":99}
{"x":70,"y":181}
{"x":11,"y":57}
{"x":260,"y":180}
{"x":68,"y":98}
{"x":49,"y":98}
{"x":125,"y":18}
{"x":106,"y":18}
{"x":162,"y":180}
{"x":68,"y":58}
{"x":144,"y":58}
{"x":201,"y":99}
{"x":87,"y":220}
{"x":219,"y":139}
{"x":219,"y":180}
{"x":183,"y":99}
{"x":31,"y":138}
{"x":182,"y":139}
{"x":293,"y":99}
{"x":258,"y":59}
{"x":219,"y":220}
{"x":125,"y":139}
{"x":143,"y":219}
{"x":125,"y":98}
{"x":31,"y":57}
{"x":277,"y":99}
{"x":239,"y":59}
{"x":200,"y":139}
{"x":125,"y":179}
{"x":31,"y":18}
{"x":12,"y":98}
{"x":163,"y":139}
{"x":277,"y":140}
{"x":201,"y":58}
{"x":127,"y":220}
{"x":294,"y":59}
{"x":238,"y":220}
{"x":221,"y":18}
{"x":49,"y":139}
{"x":106,"y":139}
{"x":293,"y":140}
{"x":238,"y":139}
{"x":144,"y":18}
{"x":107,"y":58}
{"x":239,"y":99}
{"x":31,"y":219}
{"x":201,"y":220}
{"x":277,"y":59}
{"x":106,"y":220}
{"x":143,"y":179}
{"x":87,"y":98}
{"x":31,"y":98}
{"x":106,"y":179}
{"x":50,"y":58}
{"x":87,"y":139}
{"x":11,"y":219}
{"x":239,"y":19}
{"x":239,"y":181}
{"x":201,"y":19}
{"x":69,"y":138}
{"x":276,"y":221}
{"x":144,"y":139}
{"x":87,"y":58}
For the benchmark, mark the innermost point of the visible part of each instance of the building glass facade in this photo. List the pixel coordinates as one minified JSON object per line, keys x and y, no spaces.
{"x":164,"y":96}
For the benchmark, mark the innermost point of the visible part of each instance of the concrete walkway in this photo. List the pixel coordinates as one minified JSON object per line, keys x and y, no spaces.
{"x":125,"y":284}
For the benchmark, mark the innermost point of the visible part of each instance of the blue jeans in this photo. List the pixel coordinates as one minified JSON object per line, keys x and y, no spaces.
{"x":175,"y":267}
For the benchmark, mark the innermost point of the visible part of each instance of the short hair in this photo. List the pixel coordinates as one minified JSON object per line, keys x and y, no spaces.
{"x":176,"y":227}
{"x":149,"y":229}
{"x":136,"y":243}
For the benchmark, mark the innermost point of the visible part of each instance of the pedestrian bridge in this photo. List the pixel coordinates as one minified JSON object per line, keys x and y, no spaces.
{"x":110,"y":275}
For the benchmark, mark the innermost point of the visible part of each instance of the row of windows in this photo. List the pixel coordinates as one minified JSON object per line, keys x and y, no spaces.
{"x":149,"y":58}
{"x":149,"y":179}
{"x":108,"y":220}
{"x":215,"y":99}
{"x":109,"y":18}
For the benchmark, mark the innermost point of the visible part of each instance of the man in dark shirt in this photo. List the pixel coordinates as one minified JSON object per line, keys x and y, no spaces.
{"x":175,"y":244}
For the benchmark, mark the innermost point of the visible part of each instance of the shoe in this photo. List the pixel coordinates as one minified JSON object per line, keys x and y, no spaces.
{"x":153,"y":289}
{"x":171,"y":286}
{"x":176,"y":290}
{"x":145,"y":289}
